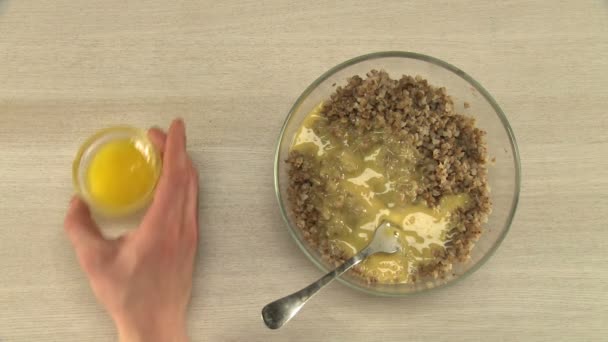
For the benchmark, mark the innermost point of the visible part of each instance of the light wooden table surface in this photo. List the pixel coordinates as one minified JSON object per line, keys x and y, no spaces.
{"x":232,"y":69}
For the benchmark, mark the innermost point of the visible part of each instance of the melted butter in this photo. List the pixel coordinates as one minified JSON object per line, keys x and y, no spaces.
{"x":365,"y":176}
{"x":306,"y":138}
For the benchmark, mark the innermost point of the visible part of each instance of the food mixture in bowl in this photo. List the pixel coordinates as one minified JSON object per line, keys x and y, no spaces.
{"x":382,"y":149}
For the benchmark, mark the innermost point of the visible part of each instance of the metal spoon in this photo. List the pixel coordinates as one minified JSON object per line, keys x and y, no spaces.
{"x":279,"y":312}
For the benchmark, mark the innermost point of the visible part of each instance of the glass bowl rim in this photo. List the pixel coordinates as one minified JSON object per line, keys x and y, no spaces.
{"x":442,"y":64}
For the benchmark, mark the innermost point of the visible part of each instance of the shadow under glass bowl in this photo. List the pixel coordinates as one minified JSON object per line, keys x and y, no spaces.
{"x":503,"y":174}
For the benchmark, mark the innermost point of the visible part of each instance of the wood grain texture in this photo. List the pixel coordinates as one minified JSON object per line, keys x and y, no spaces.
{"x":232,"y":69}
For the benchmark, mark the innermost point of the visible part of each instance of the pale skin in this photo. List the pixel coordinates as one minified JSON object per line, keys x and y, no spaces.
{"x":144,"y":278}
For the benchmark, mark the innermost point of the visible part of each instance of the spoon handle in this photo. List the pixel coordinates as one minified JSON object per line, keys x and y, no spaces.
{"x":282,"y":310}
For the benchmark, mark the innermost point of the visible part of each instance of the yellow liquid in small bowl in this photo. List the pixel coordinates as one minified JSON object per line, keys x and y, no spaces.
{"x":116,"y":171}
{"x":120,"y":175}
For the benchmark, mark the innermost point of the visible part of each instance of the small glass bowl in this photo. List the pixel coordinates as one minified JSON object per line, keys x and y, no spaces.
{"x":91,"y":147}
{"x":470,"y":98}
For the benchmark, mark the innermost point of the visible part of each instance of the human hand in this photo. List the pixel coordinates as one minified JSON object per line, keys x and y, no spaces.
{"x":144,"y":278}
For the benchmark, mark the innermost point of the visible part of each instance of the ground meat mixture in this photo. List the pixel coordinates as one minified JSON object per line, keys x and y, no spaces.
{"x":452,"y":157}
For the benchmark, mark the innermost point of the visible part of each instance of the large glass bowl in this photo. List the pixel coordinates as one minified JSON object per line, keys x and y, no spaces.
{"x":504,"y":174}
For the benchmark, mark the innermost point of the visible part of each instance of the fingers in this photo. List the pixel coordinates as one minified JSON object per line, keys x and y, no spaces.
{"x":172,"y":185}
{"x":80,"y":227}
{"x":170,"y":202}
{"x":192,"y":202}
{"x":175,"y":205}
{"x":176,"y":157}
{"x":158,"y":138}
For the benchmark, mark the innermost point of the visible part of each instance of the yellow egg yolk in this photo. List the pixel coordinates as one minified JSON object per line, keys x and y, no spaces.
{"x":120,"y":174}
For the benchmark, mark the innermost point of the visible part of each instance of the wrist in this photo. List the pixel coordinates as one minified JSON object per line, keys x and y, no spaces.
{"x":151,"y":330}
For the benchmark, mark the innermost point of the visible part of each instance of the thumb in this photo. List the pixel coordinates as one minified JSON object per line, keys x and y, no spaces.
{"x":81,"y":229}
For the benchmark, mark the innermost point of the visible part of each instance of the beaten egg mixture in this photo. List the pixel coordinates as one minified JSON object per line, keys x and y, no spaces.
{"x":120,"y":175}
